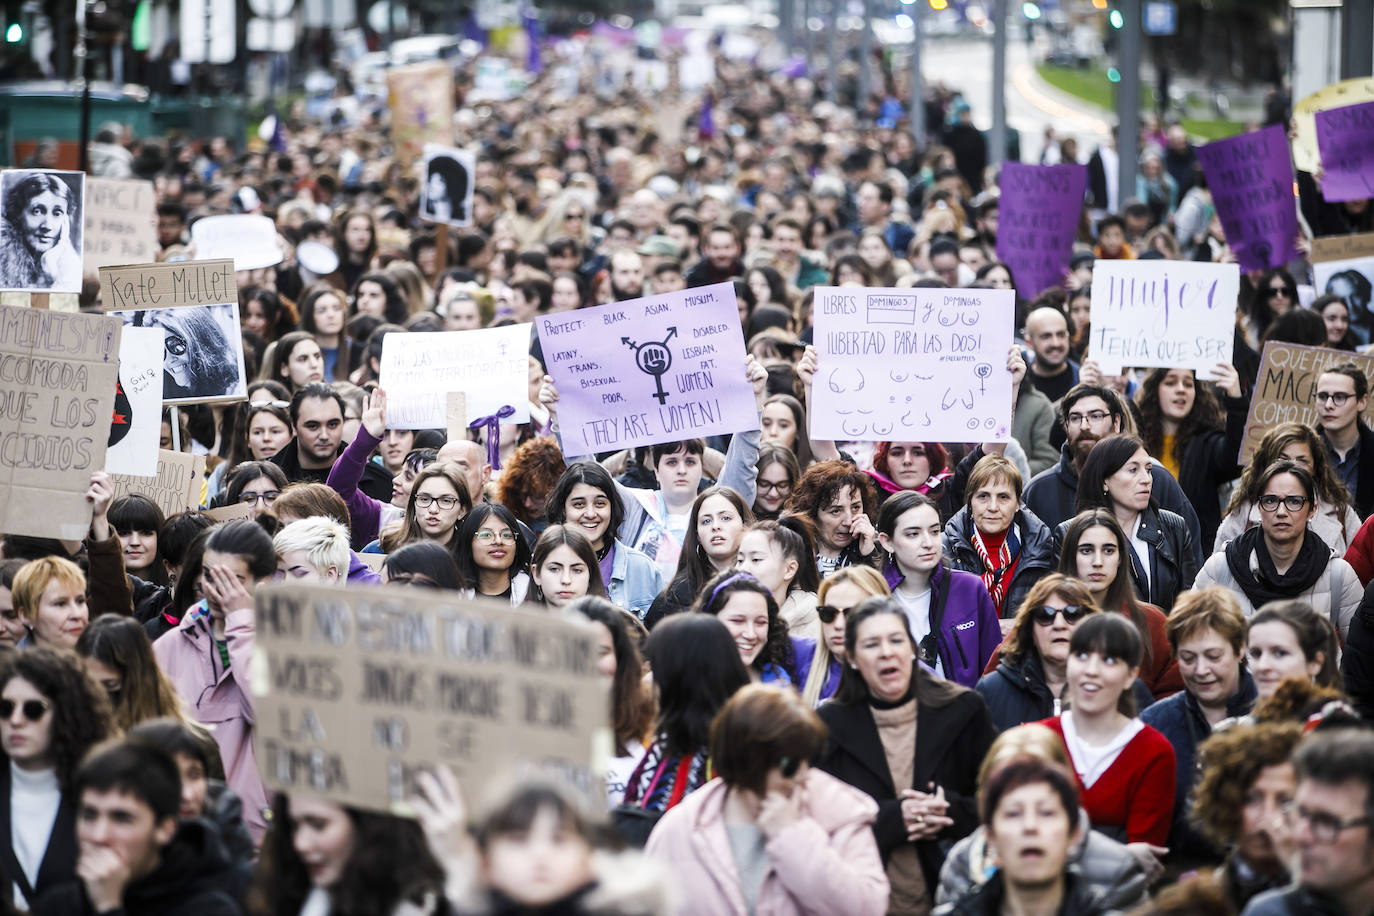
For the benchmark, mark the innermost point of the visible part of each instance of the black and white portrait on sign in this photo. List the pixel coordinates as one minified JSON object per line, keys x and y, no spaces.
{"x":202,"y":351}
{"x":41,"y":230}
{"x":446,"y":195}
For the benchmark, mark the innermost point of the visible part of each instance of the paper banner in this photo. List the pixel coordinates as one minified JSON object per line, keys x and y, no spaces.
{"x":912,"y":365}
{"x":658,"y":369}
{"x":248,"y":239}
{"x":490,"y":365}
{"x":121,"y":222}
{"x":175,"y":487}
{"x":58,"y":376}
{"x":1038,"y":215}
{"x":1251,"y":180}
{"x":1285,"y":391}
{"x":168,"y":285}
{"x":446,"y":193}
{"x":1174,"y":314}
{"x":359,"y":691}
{"x":45,"y":255}
{"x":137,"y":426}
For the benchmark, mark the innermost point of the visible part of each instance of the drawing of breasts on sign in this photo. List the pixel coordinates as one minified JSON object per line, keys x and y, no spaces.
{"x":41,"y":230}
{"x":912,"y":364}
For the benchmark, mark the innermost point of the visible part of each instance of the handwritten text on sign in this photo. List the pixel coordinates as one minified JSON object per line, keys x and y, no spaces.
{"x":490,"y":366}
{"x":174,"y":487}
{"x":58,"y":375}
{"x":1251,"y":180}
{"x":163,"y":286}
{"x":120,"y":222}
{"x":922,"y":365}
{"x":359,"y":691}
{"x":1345,"y":136}
{"x":1286,"y":389}
{"x":651,"y":370}
{"x":1175,"y":314}
{"x":1039,"y":211}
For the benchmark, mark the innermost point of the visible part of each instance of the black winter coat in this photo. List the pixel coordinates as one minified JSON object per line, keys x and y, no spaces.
{"x":951,"y":741}
{"x":1172,"y":560}
{"x":1039,"y":553}
{"x":1210,"y":460}
{"x":1018,"y":693}
{"x":1357,"y":661}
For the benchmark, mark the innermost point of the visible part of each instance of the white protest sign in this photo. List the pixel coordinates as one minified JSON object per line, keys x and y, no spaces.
{"x":923,"y":365}
{"x":490,"y":366}
{"x":137,"y":425}
{"x":1169,"y":314}
{"x":249,"y":239}
{"x":658,"y":369}
{"x":120,"y":222}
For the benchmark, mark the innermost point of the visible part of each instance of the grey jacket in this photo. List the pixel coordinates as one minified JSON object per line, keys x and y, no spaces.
{"x":1336,"y":593}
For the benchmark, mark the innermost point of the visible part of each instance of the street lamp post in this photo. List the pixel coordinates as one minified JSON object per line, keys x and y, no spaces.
{"x":999,"y":81}
{"x":918,"y":92}
{"x":1128,"y":99}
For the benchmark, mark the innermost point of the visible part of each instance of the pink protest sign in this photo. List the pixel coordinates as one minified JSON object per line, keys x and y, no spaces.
{"x":1037,"y":220}
{"x":1345,"y":138}
{"x":650,"y":370}
{"x":1251,"y":179}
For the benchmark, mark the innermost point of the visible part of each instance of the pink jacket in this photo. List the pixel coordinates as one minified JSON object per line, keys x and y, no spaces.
{"x":219,"y":698}
{"x":827,"y":862}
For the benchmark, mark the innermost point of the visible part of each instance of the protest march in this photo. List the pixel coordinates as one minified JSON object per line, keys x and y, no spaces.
{"x":628,"y":468}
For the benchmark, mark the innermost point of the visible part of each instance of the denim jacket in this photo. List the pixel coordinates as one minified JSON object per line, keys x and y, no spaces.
{"x":635,"y":580}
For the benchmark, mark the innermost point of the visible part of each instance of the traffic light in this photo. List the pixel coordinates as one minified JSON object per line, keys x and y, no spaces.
{"x":1099,"y":4}
{"x":1030,"y":10}
{"x":939,"y":4}
{"x":14,"y":34}
{"x":1116,"y":19}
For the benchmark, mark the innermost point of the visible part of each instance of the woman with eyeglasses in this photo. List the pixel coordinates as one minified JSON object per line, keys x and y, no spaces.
{"x":118,"y":656}
{"x":748,"y":610}
{"x":563,"y":567}
{"x":769,"y":830}
{"x":1333,"y":519}
{"x":438,"y":503}
{"x":1161,"y":557}
{"x":51,"y":714}
{"x":208,"y":656}
{"x":711,"y":545}
{"x":923,"y":778}
{"x":779,"y":472}
{"x":1207,"y":633}
{"x":1245,"y":788}
{"x":1282,"y":558}
{"x":492,"y":556}
{"x":1125,"y":768}
{"x":820,"y":662}
{"x":257,"y":484}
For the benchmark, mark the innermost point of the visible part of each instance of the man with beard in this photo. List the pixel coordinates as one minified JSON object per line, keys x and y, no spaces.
{"x":1047,"y":334}
{"x":627,"y":275}
{"x":722,"y":261}
{"x":1091,"y":413}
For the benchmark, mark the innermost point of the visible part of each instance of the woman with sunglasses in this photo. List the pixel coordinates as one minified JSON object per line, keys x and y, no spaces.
{"x":1282,"y":559}
{"x":821,"y":662}
{"x":748,"y":610}
{"x":492,"y":556}
{"x":769,"y":829}
{"x":438,"y":503}
{"x":51,"y":714}
{"x":779,"y":472}
{"x":1276,"y":294}
{"x":196,"y":345}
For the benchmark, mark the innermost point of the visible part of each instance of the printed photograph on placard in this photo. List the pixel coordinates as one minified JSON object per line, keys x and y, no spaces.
{"x":41,"y":233}
{"x":202,"y":351}
{"x":446,"y":195}
{"x":1353,"y":280}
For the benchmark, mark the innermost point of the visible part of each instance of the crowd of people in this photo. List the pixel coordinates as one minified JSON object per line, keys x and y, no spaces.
{"x":1097,"y":668}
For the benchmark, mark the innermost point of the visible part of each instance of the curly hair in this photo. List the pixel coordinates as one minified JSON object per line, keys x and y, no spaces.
{"x":715,"y":595}
{"x":1330,"y":489}
{"x":1230,"y":761}
{"x":1205,"y":416}
{"x":81,"y":712}
{"x":1293,"y":702}
{"x":531,"y":471}
{"x":390,"y":863}
{"x":823,"y":482}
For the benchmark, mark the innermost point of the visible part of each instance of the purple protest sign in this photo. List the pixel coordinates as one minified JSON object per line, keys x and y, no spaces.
{"x":1037,"y":219}
{"x":658,"y":369}
{"x":1251,"y":180}
{"x":1345,"y":138}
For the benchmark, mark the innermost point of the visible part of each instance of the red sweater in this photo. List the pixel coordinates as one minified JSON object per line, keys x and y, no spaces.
{"x":1137,"y":791}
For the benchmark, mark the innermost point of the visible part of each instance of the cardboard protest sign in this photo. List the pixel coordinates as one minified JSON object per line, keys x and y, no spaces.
{"x":137,"y":424}
{"x":927,"y":365}
{"x":446,"y":195}
{"x":1345,"y":137}
{"x":121,"y":222}
{"x":40,"y":250}
{"x":1251,"y":180}
{"x":248,"y":239}
{"x":196,"y":304}
{"x":420,"y":97}
{"x":1286,"y":389}
{"x":1038,"y":215}
{"x":1175,"y":314}
{"x":490,"y":365}
{"x":358,"y":691}
{"x":230,"y":512}
{"x":58,"y":376}
{"x":658,"y":369}
{"x":175,"y":487}
{"x":1344,"y":266}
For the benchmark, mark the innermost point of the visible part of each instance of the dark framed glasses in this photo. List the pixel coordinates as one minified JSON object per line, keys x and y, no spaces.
{"x":1044,"y":615}
{"x":176,"y":345}
{"x":827,"y":614}
{"x":33,"y":710}
{"x":1269,"y":502}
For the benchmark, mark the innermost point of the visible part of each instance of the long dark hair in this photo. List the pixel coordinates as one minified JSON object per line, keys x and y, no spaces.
{"x":279,"y":312}
{"x":1111,"y":636}
{"x":136,"y":512}
{"x":853,"y":690}
{"x":696,"y":669}
{"x":801,"y":445}
{"x":593,"y":475}
{"x":770,"y":455}
{"x":390,"y":863}
{"x":1120,"y":594}
{"x":1106,"y":458}
{"x":715,"y":595}
{"x":397,"y":309}
{"x":408,"y":530}
{"x":1205,"y":416}
{"x":424,"y":563}
{"x":467,"y":531}
{"x":632,"y":709}
{"x":281,"y":357}
{"x":81,"y":712}
{"x":693,"y":566}
{"x":121,"y":644}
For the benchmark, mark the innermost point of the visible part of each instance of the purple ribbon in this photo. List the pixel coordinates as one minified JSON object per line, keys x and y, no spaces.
{"x":492,"y":422}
